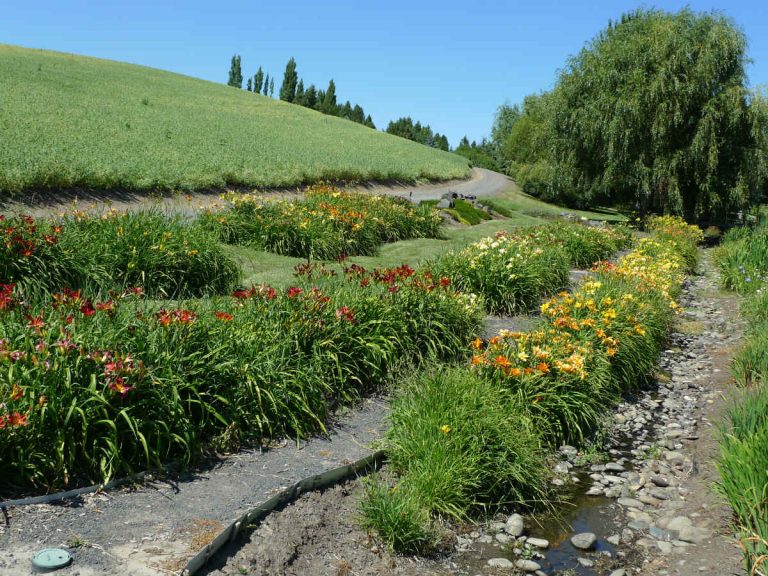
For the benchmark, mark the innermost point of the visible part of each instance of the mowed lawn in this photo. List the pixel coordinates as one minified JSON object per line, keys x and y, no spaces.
{"x":72,"y":121}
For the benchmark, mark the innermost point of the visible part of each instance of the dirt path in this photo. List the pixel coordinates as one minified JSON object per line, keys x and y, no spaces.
{"x":698,"y":367}
{"x":157,"y":527}
{"x":481,"y":183}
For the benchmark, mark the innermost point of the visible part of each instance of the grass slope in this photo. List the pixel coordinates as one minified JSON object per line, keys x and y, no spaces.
{"x":72,"y":121}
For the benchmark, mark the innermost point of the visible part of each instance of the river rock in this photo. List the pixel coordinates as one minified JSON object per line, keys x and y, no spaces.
{"x":693,"y":535}
{"x":527,"y":565}
{"x":678,"y":523}
{"x":514,"y":526}
{"x":586,"y":562}
{"x":648,"y":499}
{"x":538,"y":543}
{"x":500,"y":563}
{"x":660,"y":481}
{"x":614,"y":467}
{"x":584,"y":541}
{"x":659,"y":494}
{"x":619,"y":572}
{"x":631,"y":503}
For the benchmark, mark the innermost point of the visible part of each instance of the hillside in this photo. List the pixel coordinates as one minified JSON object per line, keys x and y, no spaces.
{"x":72,"y":121}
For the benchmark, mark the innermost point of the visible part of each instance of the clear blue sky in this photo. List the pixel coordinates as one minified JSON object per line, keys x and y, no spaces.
{"x":449,"y":64}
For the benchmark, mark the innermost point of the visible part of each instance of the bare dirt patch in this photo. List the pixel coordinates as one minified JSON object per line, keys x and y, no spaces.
{"x":319,"y":534}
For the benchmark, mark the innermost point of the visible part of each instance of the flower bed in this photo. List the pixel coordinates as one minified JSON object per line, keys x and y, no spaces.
{"x":513,"y":270}
{"x":325,"y":224}
{"x":113,"y":250}
{"x":554,"y":382}
{"x":97,"y":387}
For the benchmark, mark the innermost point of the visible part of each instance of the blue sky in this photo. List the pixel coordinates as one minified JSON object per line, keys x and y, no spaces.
{"x":448,"y":64}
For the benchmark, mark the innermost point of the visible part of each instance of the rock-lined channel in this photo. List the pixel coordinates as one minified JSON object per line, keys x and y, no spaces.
{"x":647,"y":500}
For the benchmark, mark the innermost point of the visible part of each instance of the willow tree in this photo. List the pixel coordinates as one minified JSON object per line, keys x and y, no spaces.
{"x":654,"y":112}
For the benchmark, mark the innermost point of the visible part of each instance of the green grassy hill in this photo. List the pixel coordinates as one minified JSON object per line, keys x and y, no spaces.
{"x":71,"y":121}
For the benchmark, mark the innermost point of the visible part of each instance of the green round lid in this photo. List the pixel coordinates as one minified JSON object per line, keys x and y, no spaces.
{"x":51,"y":559}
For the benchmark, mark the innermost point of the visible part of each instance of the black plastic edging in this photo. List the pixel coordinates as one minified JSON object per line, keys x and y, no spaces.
{"x":257,"y":514}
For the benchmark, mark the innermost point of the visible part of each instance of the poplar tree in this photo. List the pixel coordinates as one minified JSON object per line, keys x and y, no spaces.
{"x":346,"y":110}
{"x":271,"y":87}
{"x":328,"y":105}
{"x":290,"y":80}
{"x":310,"y":97}
{"x":235,"y":73}
{"x":258,"y":81}
{"x":249,"y":86}
{"x":266,"y":85}
{"x":299,"y":99}
{"x":358,"y":115}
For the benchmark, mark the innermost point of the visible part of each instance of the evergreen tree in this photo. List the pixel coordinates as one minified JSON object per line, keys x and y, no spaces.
{"x":249,"y":86}
{"x":310,"y":97}
{"x":290,"y":79}
{"x":299,"y":99}
{"x":258,"y":81}
{"x":320,"y":99}
{"x":266,"y":85}
{"x":328,"y":105}
{"x":369,"y":122}
{"x":358,"y":115}
{"x":441,"y":142}
{"x":272,"y":87}
{"x":235,"y":73}
{"x":464,"y":143}
{"x":346,"y":111}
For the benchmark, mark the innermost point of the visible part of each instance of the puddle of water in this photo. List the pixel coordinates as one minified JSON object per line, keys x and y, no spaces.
{"x":579,"y":513}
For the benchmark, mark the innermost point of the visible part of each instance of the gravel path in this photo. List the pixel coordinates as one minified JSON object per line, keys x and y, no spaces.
{"x":157,"y":527}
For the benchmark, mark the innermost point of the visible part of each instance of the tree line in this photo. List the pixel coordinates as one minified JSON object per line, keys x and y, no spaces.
{"x":292,"y":90}
{"x":653,"y":114}
{"x":423,"y":134}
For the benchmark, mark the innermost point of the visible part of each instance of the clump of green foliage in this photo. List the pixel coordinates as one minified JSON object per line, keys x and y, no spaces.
{"x":467,"y":213}
{"x":744,"y":437}
{"x":743,"y":258}
{"x":163,"y":254}
{"x":512,"y":271}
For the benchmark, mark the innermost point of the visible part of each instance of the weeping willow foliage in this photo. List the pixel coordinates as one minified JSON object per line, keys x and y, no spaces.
{"x":654,"y":113}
